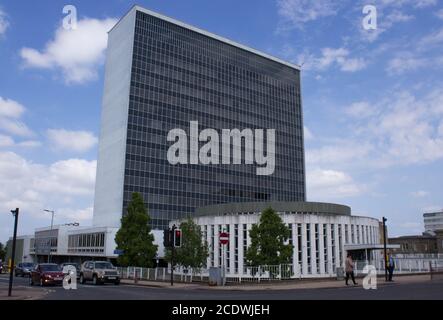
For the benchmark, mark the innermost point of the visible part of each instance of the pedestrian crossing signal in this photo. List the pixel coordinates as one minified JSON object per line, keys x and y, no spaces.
{"x":167,"y":239}
{"x":177,"y":238}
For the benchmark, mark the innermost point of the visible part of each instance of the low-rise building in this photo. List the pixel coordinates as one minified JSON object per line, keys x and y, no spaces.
{"x":321,"y":235}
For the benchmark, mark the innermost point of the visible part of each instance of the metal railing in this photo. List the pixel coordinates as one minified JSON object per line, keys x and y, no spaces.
{"x":276,"y":272}
{"x":402,"y":266}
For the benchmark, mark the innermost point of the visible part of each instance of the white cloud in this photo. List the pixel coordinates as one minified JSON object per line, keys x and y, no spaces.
{"x":76,"y":141}
{"x":298,"y":12}
{"x":337,"y":153}
{"x":400,"y":130}
{"x":6,"y":141}
{"x":404,"y":63}
{"x":360,"y":110}
{"x":66,"y":186}
{"x":10,"y":112}
{"x":15,"y":127}
{"x":435,"y":38}
{"x":4,"y":23}
{"x":77,"y":52}
{"x":439,"y":14}
{"x":397,"y":16}
{"x":330,"y":184}
{"x":29,"y":144}
{"x":10,"y":108}
{"x":425,"y":3}
{"x":419,"y":194}
{"x":330,"y":57}
{"x":76,"y":215}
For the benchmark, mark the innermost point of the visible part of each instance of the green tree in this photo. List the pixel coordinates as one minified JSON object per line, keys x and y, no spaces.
{"x":268,"y":241}
{"x":134,"y":236}
{"x":2,"y":252}
{"x":193,"y":252}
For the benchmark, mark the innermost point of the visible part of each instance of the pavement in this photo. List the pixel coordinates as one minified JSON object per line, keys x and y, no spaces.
{"x":278,"y":285}
{"x":21,"y":291}
{"x":404,"y":288}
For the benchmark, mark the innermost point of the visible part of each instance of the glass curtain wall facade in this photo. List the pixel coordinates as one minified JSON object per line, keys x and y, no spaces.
{"x":180,"y":75}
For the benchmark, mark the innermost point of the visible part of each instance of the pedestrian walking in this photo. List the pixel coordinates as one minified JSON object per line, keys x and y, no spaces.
{"x":349,"y":269}
{"x":391,"y":267}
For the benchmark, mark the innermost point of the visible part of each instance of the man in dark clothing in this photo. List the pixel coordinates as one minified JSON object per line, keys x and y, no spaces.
{"x":391,"y":267}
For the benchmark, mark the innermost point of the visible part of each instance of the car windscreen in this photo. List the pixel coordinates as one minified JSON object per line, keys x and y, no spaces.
{"x":49,"y":267}
{"x":104,"y":265}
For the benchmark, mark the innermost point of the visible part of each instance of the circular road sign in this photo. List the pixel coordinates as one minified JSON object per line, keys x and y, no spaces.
{"x":224,"y":238}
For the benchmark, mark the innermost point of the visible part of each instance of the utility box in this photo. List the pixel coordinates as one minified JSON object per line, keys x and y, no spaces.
{"x":215,"y":276}
{"x":340,"y":273}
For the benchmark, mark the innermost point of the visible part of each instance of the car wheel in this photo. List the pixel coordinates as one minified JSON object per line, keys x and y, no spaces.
{"x":82,"y":279}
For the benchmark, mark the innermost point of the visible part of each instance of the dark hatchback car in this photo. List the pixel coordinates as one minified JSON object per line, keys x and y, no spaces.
{"x":77,"y":267}
{"x":46,"y":274}
{"x":24,"y":269}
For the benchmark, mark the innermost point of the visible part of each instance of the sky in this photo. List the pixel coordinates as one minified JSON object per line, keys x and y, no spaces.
{"x":372,"y":100}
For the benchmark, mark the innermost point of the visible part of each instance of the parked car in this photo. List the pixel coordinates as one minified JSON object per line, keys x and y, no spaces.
{"x":77,"y":267}
{"x":24,"y":269}
{"x":45,"y":274}
{"x":99,"y":272}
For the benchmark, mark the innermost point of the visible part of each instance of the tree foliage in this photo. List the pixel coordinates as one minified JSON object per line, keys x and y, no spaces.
{"x":2,"y":252}
{"x":193,"y":252}
{"x":268,"y":241}
{"x":134,"y":236}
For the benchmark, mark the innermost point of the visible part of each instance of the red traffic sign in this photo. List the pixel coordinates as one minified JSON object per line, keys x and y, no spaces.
{"x":224,"y":238}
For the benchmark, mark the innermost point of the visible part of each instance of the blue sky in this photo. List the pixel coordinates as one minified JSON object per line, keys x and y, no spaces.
{"x":373,"y":100}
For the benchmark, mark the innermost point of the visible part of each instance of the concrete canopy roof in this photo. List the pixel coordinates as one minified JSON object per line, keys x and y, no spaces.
{"x":279,"y":206}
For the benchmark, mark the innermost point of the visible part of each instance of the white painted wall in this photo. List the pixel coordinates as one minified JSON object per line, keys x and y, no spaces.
{"x":108,"y":203}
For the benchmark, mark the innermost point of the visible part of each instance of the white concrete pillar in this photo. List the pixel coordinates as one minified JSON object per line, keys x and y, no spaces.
{"x":329,"y":244}
{"x":241,"y":254}
{"x":216,"y":245}
{"x":208,"y":243}
{"x":313,"y":250}
{"x":337,"y":251}
{"x":343,"y":253}
{"x":295,"y":249}
{"x":321,"y":248}
{"x":304,"y":250}
{"x":231,"y":248}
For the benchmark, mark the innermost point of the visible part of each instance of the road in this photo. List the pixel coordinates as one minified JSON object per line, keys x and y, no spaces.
{"x":422,"y":290}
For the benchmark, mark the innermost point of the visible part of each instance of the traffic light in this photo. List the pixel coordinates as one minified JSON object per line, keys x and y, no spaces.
{"x":177,"y":238}
{"x":167,"y":241}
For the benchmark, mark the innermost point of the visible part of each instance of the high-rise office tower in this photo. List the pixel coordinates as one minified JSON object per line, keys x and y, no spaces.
{"x":161,"y":75}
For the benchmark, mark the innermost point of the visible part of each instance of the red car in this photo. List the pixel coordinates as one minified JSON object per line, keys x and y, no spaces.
{"x":45,"y":274}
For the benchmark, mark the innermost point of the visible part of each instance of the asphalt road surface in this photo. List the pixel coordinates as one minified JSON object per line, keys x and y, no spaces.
{"x":423,"y":290}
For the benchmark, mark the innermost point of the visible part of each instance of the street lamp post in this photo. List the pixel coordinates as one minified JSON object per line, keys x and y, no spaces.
{"x":14,"y":239}
{"x":385,"y":249}
{"x":50,"y":234}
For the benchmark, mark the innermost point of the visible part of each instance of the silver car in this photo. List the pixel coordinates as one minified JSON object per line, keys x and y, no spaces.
{"x":99,"y":272}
